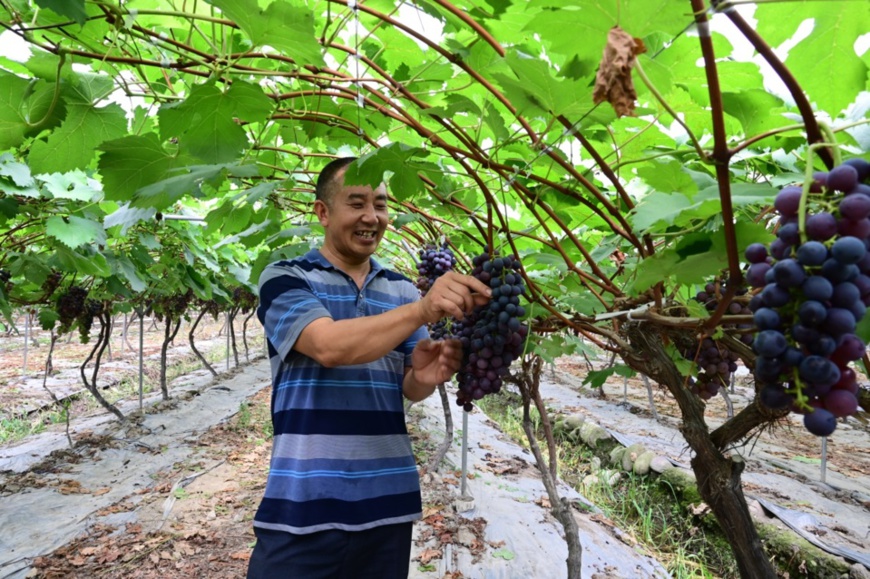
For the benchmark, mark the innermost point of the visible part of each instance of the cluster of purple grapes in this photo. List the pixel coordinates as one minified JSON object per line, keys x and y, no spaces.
{"x":715,"y":362}
{"x":70,"y":306}
{"x":434,"y":262}
{"x":492,"y":336}
{"x":816,"y":288}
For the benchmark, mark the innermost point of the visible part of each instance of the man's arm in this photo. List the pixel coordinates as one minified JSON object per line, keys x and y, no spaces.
{"x":360,"y":340}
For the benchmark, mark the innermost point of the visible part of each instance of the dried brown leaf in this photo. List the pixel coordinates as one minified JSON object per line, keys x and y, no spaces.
{"x":613,"y":82}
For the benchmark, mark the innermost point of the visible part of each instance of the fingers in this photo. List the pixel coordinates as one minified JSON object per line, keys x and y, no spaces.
{"x":454,"y":294}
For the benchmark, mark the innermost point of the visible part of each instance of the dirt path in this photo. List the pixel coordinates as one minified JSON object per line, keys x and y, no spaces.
{"x":172,"y":493}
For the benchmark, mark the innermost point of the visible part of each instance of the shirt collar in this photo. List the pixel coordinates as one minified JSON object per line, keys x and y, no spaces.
{"x":315,"y":256}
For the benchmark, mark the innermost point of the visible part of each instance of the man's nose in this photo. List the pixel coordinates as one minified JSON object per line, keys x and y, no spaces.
{"x":369,"y":214}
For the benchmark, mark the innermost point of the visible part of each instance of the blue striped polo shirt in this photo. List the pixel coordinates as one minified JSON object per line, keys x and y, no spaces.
{"x":341,"y":456}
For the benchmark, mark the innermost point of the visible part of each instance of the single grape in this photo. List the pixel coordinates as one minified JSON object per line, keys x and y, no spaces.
{"x":855,"y":207}
{"x":818,"y":288}
{"x":821,"y":226}
{"x":860,"y":165}
{"x":757,"y":252}
{"x":820,"y":422}
{"x":848,"y":250}
{"x":841,"y":403}
{"x":812,"y":313}
{"x":775,"y":397}
{"x":788,"y":200}
{"x":770,"y":343}
{"x":842,"y":178}
{"x":812,"y":253}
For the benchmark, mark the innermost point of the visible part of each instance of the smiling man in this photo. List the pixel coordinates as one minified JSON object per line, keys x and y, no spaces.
{"x":347,"y":340}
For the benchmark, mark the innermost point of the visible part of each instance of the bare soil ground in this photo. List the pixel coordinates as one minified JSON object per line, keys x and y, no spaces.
{"x":194,"y":519}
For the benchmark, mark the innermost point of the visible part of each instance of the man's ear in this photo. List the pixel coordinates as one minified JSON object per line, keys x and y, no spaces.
{"x":322,"y":212}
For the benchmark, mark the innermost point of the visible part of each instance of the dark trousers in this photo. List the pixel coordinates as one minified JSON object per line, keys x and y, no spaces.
{"x":379,"y":553}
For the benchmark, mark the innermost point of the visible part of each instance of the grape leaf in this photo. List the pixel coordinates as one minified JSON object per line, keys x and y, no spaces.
{"x":74,"y":9}
{"x":18,"y":172}
{"x":825,"y":61}
{"x":74,"y":185}
{"x":597,"y":378}
{"x":65,"y":259}
{"x":286,"y":27}
{"x":75,"y":231}
{"x":695,"y":257}
{"x":13,"y":90}
{"x":129,"y":163}
{"x":127,"y":217}
{"x":72,"y":145}
{"x":756,"y":109}
{"x":208,"y":123}
{"x":391,"y":160}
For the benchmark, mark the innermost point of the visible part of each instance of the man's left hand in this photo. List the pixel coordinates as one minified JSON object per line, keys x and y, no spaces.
{"x":434,"y":362}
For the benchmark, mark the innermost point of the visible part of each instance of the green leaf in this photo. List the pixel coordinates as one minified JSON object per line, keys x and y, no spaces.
{"x":72,"y":145}
{"x":127,"y":217}
{"x":123,"y":266}
{"x":47,"y":318}
{"x":18,"y":172}
{"x":74,"y":185}
{"x":13,"y":125}
{"x":536,"y":84}
{"x":31,"y":267}
{"x":597,"y":378}
{"x":6,"y":309}
{"x":505,"y":554}
{"x":696,"y":256}
{"x":207,"y":123}
{"x":75,"y":231}
{"x":667,"y":177}
{"x":830,"y":70}
{"x":287,"y":27}
{"x":71,"y":261}
{"x":74,"y":9}
{"x":187,"y":181}
{"x":376,"y":168}
{"x":756,"y":109}
{"x":130,"y":163}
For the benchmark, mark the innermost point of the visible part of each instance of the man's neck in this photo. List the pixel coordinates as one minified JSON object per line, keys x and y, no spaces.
{"x":357,"y":271}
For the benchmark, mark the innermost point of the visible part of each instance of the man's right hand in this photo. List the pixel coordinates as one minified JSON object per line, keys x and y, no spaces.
{"x":453,"y":294}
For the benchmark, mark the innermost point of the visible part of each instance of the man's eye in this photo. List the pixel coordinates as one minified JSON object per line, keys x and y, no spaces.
{"x":381,"y":207}
{"x":357,"y":206}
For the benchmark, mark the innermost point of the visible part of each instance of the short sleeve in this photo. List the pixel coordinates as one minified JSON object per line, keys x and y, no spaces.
{"x":287,"y":306}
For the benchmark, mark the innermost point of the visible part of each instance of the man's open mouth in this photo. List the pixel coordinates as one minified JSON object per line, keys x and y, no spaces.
{"x":366,"y":234}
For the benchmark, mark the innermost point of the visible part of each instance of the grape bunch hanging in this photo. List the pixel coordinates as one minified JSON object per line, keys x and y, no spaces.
{"x":815,"y":280}
{"x":434,"y":262}
{"x":492,"y":336}
{"x":715,"y":362}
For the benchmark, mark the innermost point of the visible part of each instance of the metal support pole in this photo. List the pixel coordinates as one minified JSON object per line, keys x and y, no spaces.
{"x":824,"y":465}
{"x":26,"y":338}
{"x":624,"y":389}
{"x":227,"y":326}
{"x":141,"y":354}
{"x":464,"y":452}
{"x":124,"y":335}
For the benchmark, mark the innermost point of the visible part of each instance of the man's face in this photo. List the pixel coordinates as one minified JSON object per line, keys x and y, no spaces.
{"x":355,"y":219}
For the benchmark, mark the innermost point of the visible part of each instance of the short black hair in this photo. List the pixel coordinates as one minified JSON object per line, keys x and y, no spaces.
{"x":327,"y":182}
